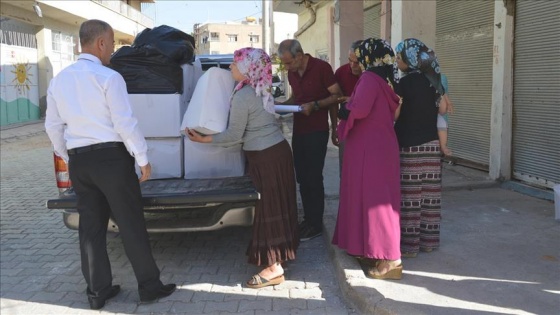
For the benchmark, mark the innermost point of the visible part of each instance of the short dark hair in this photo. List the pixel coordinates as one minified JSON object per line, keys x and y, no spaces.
{"x":91,"y":29}
{"x":291,"y":45}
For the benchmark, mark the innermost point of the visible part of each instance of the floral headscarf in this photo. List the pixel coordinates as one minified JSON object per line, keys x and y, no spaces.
{"x":419,"y":58}
{"x":376,"y":55}
{"x":255,"y":64}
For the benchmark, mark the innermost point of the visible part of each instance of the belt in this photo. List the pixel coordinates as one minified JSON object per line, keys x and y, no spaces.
{"x":96,"y":146}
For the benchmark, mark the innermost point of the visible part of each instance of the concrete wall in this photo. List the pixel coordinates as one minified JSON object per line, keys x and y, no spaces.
{"x":85,"y":10}
{"x":347,"y":29}
{"x":416,"y":19}
{"x":318,"y":39}
{"x":502,"y":94}
{"x":65,"y":17}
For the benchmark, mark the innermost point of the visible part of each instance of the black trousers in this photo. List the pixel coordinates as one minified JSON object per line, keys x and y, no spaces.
{"x":310,"y":151}
{"x":105,"y":182}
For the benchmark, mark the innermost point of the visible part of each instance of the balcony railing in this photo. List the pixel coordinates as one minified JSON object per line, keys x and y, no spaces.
{"x":128,"y":11}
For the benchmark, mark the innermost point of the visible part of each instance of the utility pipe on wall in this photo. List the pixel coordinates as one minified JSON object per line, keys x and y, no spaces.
{"x":308,"y":5}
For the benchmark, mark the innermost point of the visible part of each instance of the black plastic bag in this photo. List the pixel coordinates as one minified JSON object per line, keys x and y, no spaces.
{"x":146,"y":71}
{"x":169,"y":41}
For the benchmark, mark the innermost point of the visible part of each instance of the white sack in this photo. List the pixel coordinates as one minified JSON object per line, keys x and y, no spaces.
{"x":208,"y":109}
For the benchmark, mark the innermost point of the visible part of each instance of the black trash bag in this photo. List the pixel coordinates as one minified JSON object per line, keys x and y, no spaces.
{"x":146,"y":71}
{"x":168,"y":41}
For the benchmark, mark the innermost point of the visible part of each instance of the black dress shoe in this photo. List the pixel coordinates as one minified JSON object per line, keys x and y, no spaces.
{"x":98,"y":302}
{"x":166,"y":290}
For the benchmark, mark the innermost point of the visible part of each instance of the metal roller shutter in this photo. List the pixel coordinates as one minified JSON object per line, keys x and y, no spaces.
{"x":536,"y":93}
{"x":372,"y":18}
{"x":464,"y":40}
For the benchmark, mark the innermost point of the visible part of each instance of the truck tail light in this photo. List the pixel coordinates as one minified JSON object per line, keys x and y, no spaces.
{"x":62,"y":175}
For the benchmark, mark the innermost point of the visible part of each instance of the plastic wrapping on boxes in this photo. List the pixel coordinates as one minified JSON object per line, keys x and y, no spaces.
{"x":166,"y":157}
{"x":205,"y":160}
{"x":159,"y":115}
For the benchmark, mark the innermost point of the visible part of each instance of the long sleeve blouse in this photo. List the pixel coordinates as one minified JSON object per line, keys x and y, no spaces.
{"x":249,"y":123}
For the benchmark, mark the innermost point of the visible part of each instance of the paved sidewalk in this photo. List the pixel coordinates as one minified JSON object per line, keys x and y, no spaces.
{"x":499,"y":254}
{"x":11,"y":133}
{"x":499,"y":251}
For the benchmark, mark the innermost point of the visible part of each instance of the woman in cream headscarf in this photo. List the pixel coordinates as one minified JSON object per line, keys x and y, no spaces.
{"x":367,"y":225}
{"x":275,"y":236}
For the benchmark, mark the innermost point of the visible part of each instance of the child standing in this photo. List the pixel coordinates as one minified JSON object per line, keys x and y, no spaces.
{"x":442,"y":120}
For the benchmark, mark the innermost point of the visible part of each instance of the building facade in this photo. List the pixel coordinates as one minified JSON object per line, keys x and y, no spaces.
{"x":225,"y":38}
{"x":40,"y":38}
{"x":501,"y":59}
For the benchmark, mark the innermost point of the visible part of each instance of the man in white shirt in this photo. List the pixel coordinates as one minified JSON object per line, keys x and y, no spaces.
{"x":90,"y":123}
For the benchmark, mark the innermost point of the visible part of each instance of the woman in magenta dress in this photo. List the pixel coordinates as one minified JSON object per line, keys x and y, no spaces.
{"x":369,"y":210}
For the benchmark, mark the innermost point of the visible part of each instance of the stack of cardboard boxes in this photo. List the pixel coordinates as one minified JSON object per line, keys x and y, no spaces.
{"x":162,"y":118}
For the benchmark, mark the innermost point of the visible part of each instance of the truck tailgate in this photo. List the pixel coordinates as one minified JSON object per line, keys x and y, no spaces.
{"x":182,"y":192}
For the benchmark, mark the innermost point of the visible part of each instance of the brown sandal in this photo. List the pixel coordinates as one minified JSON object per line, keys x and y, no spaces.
{"x":259,"y":282}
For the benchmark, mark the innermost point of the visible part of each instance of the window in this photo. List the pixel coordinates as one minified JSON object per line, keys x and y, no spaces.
{"x":62,"y":51}
{"x":214,"y":36}
{"x":232,"y":38}
{"x":254,"y":38}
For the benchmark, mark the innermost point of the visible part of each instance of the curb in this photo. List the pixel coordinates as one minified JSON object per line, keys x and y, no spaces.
{"x":17,"y":131}
{"x":356,"y":288}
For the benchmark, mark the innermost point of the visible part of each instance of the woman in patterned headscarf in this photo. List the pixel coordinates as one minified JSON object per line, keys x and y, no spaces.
{"x":416,"y":128}
{"x":367,"y":225}
{"x":275,"y":236}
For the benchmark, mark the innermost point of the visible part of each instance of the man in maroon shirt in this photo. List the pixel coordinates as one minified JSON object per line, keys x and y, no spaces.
{"x":347,"y":76}
{"x":314,"y":87}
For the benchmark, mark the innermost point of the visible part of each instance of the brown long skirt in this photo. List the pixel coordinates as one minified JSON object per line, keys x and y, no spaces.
{"x":275,"y":227}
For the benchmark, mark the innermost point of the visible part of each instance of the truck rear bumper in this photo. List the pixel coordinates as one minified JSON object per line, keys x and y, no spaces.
{"x":180,"y":205}
{"x":237,"y":216}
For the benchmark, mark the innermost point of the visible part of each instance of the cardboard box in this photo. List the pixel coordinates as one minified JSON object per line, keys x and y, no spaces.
{"x":166,"y":157}
{"x":206,"y":160}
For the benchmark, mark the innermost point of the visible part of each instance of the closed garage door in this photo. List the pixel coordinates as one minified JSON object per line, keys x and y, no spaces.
{"x":372,"y":18}
{"x":464,"y":40}
{"x":536,"y":93}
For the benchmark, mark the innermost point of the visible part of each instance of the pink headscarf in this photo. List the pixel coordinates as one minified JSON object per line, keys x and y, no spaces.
{"x":255,"y":64}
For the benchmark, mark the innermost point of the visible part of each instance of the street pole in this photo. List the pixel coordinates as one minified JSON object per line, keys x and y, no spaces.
{"x":267,"y":23}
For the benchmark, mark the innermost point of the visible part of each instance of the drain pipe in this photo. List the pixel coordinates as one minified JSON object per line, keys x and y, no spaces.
{"x":311,"y":21}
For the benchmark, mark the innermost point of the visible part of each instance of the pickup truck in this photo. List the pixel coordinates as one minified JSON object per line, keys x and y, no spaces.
{"x":177,"y":205}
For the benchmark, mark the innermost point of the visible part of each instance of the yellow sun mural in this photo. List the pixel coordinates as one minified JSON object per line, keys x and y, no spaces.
{"x":21,"y":71}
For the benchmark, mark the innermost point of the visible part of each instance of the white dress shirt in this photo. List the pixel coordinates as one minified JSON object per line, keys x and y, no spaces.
{"x":87,"y":103}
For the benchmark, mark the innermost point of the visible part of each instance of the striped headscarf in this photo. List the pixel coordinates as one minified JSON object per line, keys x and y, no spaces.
{"x":419,"y":58}
{"x":255,"y":64}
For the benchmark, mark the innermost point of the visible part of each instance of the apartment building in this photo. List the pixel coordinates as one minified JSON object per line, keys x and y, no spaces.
{"x":40,"y":38}
{"x":225,"y":38}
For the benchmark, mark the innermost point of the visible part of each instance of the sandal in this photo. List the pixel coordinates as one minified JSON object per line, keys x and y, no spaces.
{"x":259,"y":282}
{"x":386,"y":269}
